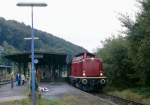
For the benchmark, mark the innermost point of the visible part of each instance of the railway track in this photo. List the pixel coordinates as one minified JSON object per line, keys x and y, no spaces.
{"x":117,"y":100}
{"x":4,"y":82}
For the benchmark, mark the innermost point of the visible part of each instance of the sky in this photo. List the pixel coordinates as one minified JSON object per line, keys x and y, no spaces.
{"x":83,"y":22}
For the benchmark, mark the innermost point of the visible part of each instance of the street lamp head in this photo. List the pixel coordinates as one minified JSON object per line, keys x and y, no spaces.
{"x":32,"y":4}
{"x":29,"y":38}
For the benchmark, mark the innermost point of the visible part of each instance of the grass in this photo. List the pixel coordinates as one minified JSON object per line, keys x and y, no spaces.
{"x":139,"y":94}
{"x":72,"y":100}
{"x":67,"y":100}
{"x":28,"y":102}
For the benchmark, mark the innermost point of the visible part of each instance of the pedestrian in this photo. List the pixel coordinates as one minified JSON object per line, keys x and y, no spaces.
{"x":38,"y":73}
{"x":22,"y":79}
{"x":17,"y":79}
{"x":12,"y":80}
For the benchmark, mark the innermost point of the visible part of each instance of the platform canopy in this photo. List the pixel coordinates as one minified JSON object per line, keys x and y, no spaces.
{"x":42,"y":57}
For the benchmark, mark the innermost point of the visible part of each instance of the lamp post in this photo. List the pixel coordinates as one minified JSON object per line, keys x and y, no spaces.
{"x":30,"y":38}
{"x":24,"y":4}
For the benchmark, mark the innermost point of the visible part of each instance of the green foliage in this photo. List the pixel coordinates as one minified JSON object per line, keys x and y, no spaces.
{"x":117,"y":64}
{"x":144,"y":60}
{"x":138,"y":36}
{"x":138,"y":94}
{"x":8,"y":48}
{"x":143,"y":91}
{"x":127,"y":59}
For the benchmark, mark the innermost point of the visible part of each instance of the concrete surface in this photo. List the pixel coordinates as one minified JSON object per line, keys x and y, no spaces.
{"x":9,"y":94}
{"x":64,"y":91}
{"x":56,"y":91}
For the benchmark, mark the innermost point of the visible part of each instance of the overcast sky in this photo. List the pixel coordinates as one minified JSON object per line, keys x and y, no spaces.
{"x":82,"y":22}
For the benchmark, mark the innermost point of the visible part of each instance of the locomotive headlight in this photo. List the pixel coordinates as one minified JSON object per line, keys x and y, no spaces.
{"x":101,"y":74}
{"x":92,"y":58}
{"x":83,"y":74}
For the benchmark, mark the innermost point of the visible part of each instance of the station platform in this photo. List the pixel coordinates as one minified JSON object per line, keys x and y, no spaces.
{"x":10,"y":94}
{"x":55,"y":91}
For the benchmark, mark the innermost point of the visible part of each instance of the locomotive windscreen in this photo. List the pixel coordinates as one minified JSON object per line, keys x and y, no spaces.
{"x":87,"y":53}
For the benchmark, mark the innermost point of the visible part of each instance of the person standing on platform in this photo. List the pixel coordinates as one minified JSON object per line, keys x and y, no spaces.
{"x":17,"y":79}
{"x":12,"y":80}
{"x":22,"y":79}
{"x":38,"y":75}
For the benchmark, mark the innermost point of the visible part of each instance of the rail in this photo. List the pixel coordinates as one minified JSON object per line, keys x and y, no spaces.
{"x":4,"y":82}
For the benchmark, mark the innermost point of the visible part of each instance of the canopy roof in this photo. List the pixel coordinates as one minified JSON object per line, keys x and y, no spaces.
{"x":43,"y":57}
{"x":5,"y":66}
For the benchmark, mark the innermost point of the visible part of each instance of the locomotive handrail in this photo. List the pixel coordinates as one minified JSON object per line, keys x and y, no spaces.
{"x":88,"y":77}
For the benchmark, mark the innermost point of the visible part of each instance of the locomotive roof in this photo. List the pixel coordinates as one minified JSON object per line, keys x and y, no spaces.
{"x":89,"y":54}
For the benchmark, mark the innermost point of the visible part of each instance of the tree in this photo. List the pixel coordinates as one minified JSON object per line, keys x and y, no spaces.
{"x":117,"y":64}
{"x":138,"y":35}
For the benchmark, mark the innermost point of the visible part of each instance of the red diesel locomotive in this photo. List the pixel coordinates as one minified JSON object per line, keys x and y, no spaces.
{"x":87,"y":72}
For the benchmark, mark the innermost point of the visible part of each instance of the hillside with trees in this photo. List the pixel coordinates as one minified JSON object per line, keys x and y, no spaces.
{"x":12,"y":34}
